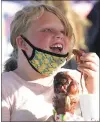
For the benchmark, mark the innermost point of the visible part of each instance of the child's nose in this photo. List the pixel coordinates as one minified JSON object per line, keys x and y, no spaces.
{"x":59,"y":35}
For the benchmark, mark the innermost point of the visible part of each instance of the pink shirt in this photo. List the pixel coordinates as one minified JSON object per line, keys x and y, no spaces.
{"x":26,"y":100}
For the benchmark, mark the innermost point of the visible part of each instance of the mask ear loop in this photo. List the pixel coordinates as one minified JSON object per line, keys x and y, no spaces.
{"x":33,"y":52}
{"x":26,"y":53}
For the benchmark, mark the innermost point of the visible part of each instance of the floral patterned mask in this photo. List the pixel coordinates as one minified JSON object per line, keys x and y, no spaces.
{"x":43,"y":61}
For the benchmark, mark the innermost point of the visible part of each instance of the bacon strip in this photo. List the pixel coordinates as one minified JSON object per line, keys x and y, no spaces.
{"x":78,"y":54}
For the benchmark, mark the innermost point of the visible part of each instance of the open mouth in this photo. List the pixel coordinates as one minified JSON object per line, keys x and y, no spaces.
{"x":57,"y":48}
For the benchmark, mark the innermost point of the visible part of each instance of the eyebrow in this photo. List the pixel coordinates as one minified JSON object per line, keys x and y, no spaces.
{"x":51,"y":26}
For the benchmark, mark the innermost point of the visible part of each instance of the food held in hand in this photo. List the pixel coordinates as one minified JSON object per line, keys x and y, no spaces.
{"x":66,"y":91}
{"x":78,"y":54}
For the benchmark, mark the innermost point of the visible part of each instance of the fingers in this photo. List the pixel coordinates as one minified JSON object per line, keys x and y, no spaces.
{"x":87,"y":71}
{"x":89,"y":65}
{"x":90,"y":54}
{"x":90,"y":57}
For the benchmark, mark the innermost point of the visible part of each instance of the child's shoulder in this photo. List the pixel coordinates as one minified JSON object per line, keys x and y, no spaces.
{"x":9,"y":79}
{"x":7,"y":75}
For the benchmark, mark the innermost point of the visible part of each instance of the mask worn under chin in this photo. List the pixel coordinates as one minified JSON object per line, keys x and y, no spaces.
{"x":43,"y":61}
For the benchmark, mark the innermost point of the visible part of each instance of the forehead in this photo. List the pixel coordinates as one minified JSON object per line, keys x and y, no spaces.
{"x":47,"y":19}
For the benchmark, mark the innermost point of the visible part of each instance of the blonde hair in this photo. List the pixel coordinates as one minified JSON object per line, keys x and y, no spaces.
{"x":78,"y":24}
{"x":24,"y":18}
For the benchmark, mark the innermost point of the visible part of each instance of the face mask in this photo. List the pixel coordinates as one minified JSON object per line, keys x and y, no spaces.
{"x":43,"y":61}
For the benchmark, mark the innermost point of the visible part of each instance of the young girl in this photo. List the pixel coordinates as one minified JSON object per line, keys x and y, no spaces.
{"x":42,"y":39}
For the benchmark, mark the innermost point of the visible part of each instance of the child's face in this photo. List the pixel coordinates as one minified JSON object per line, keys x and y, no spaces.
{"x":47,"y":33}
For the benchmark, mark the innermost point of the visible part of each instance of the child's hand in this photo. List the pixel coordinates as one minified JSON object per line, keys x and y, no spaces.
{"x":90,"y":69}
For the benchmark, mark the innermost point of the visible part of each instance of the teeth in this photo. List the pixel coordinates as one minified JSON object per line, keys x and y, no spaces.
{"x":58,"y":45}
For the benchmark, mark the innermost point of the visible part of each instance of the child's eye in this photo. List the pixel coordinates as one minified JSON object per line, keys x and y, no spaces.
{"x":47,"y":30}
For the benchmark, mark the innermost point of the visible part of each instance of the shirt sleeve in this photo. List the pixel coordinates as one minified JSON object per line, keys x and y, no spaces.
{"x":89,"y":104}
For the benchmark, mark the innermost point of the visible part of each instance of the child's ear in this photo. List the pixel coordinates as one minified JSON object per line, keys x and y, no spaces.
{"x":21,"y":43}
